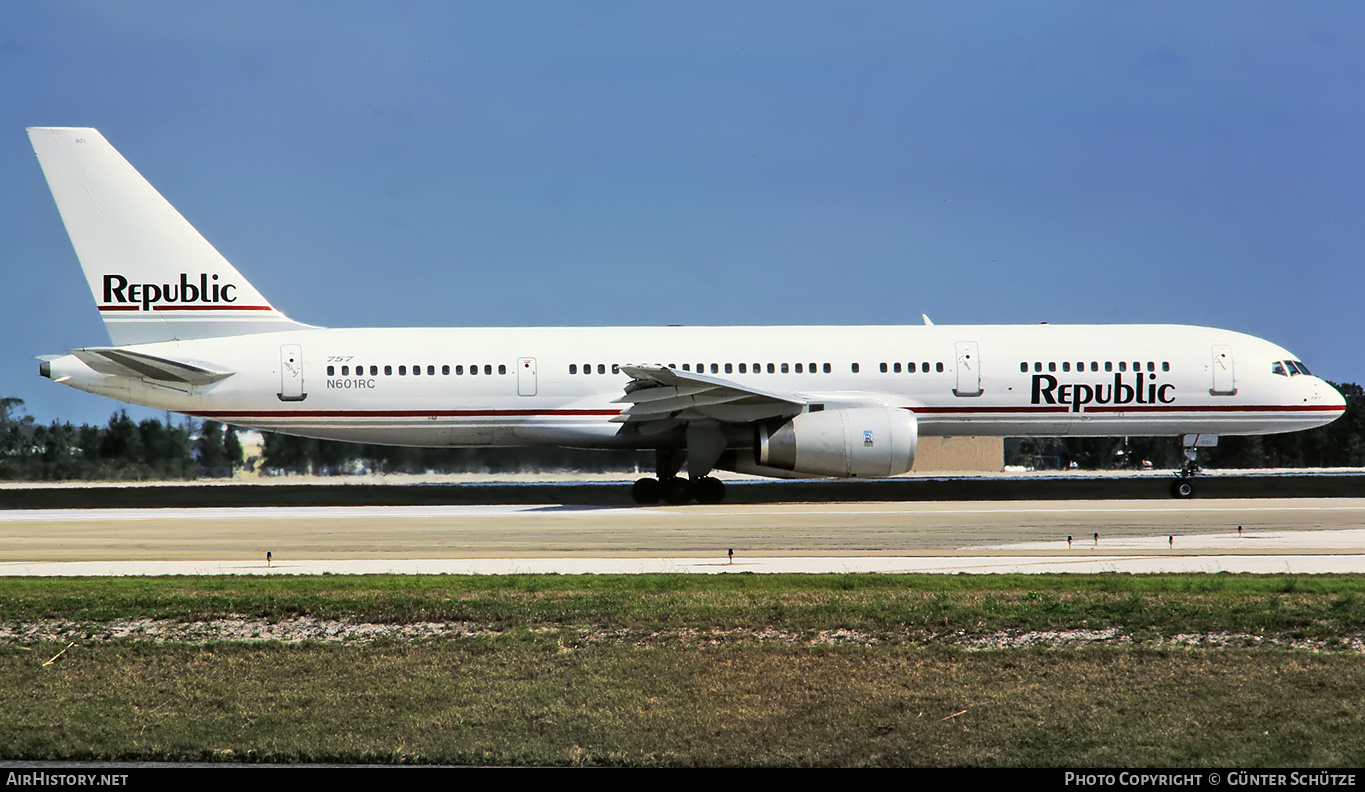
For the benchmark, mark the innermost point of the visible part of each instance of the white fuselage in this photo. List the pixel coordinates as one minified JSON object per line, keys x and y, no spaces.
{"x":556,"y":386}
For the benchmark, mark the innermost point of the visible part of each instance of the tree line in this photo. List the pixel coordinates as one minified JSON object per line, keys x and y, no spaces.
{"x":183,"y":448}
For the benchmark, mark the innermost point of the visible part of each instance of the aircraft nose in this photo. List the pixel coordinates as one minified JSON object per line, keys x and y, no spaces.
{"x":1332,"y":396}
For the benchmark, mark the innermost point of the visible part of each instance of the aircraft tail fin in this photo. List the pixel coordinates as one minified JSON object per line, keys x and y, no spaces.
{"x":153,"y":276}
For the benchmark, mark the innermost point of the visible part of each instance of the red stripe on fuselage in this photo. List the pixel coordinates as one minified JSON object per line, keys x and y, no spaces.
{"x":395,"y":413}
{"x":1133,"y":408}
{"x":188,"y":308}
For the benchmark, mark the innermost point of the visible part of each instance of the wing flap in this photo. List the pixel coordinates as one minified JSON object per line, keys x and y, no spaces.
{"x":661,"y":398}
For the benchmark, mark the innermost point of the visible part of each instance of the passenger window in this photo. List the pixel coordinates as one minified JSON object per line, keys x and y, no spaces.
{"x":472,"y":370}
{"x":402,"y":371}
{"x":1023,"y":368}
{"x":896,"y":368}
{"x":826,"y":368}
{"x":1123,"y":366}
{"x":1165,"y":366}
{"x":938,"y":367}
{"x":487,"y":368}
{"x":1094,"y":365}
{"x":388,"y":371}
{"x":1108,"y":365}
{"x":431,"y":371}
{"x":1036,"y":366}
{"x":729,"y":368}
{"x":855,"y":368}
{"x":1066,"y":366}
{"x":784,"y":368}
{"x":883,"y":367}
{"x":374,"y":371}
{"x":459,"y":371}
{"x":798,"y":369}
{"x":416,"y":371}
{"x":687,"y":367}
{"x":1052,"y":367}
{"x":601,"y":368}
{"x":502,"y":368}
{"x":715,"y":368}
{"x":772,"y":369}
{"x":445,"y":371}
{"x":615,"y":369}
{"x":1151,"y":366}
{"x":743,"y":368}
{"x":331,"y":371}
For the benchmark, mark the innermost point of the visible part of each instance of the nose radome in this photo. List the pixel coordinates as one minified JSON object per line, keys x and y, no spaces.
{"x":1332,"y":396}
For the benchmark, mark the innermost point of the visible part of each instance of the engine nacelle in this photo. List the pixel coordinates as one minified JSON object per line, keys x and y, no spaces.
{"x":865,"y":442}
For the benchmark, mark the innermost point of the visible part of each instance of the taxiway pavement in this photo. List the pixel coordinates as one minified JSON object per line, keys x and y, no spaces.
{"x":1290,"y":535}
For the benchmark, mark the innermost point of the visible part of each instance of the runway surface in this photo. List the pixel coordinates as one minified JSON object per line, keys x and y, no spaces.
{"x":1298,"y":535}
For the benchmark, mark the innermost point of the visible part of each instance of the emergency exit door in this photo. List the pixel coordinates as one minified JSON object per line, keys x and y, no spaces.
{"x":968,"y":370}
{"x":291,"y":373}
{"x":526,"y":376}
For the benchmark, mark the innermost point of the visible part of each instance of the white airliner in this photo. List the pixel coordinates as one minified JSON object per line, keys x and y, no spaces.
{"x":192,"y":336}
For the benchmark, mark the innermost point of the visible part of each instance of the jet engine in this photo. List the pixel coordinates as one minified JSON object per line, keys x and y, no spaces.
{"x":864,"y":442}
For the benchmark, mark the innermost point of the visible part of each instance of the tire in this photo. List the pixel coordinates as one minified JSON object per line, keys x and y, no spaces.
{"x":647,"y":491}
{"x":1182,"y":488}
{"x":708,"y":490}
{"x":677,"y":491}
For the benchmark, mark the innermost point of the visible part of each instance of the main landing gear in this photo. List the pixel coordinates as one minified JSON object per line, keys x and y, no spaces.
{"x":1183,"y":486}
{"x":676,"y":490}
{"x":671,"y":488}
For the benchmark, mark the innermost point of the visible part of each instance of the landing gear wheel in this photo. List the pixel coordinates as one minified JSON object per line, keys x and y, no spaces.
{"x":677,"y":491}
{"x":708,"y":490}
{"x":1182,"y":488}
{"x":647,"y":491}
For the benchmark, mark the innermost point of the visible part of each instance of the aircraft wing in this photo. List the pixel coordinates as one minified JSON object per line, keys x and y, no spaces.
{"x":126,"y":363}
{"x":662,"y":398}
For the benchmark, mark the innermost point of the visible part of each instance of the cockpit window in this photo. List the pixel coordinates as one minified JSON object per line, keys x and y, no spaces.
{"x":1289,"y":368}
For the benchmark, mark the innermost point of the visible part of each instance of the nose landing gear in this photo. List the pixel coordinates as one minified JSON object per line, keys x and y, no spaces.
{"x":1183,"y":486}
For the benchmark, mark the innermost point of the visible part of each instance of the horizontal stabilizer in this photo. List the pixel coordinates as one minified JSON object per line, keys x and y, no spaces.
{"x":126,"y":363}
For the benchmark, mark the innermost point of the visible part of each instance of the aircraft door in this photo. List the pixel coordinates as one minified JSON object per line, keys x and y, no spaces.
{"x":291,"y":373}
{"x":526,"y":376}
{"x":1224,"y":377}
{"x":968,"y":370}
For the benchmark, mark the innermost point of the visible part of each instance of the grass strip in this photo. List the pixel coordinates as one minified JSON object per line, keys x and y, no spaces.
{"x":1320,"y":607}
{"x":533,"y":701}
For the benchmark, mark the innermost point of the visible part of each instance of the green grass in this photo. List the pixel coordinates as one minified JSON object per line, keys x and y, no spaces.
{"x":1311,"y":606}
{"x":608,"y":670}
{"x":523,"y":702}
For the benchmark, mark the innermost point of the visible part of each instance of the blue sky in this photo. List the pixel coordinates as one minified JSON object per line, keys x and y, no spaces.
{"x":591,"y":163}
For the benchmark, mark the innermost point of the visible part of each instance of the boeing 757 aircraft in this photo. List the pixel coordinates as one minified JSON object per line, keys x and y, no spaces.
{"x":190,"y":335}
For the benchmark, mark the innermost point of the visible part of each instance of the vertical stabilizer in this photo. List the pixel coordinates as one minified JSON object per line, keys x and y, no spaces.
{"x":153,"y":276}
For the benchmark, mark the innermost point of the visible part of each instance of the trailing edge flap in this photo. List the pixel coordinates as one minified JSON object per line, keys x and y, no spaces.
{"x":661,"y":394}
{"x":122,"y":362}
